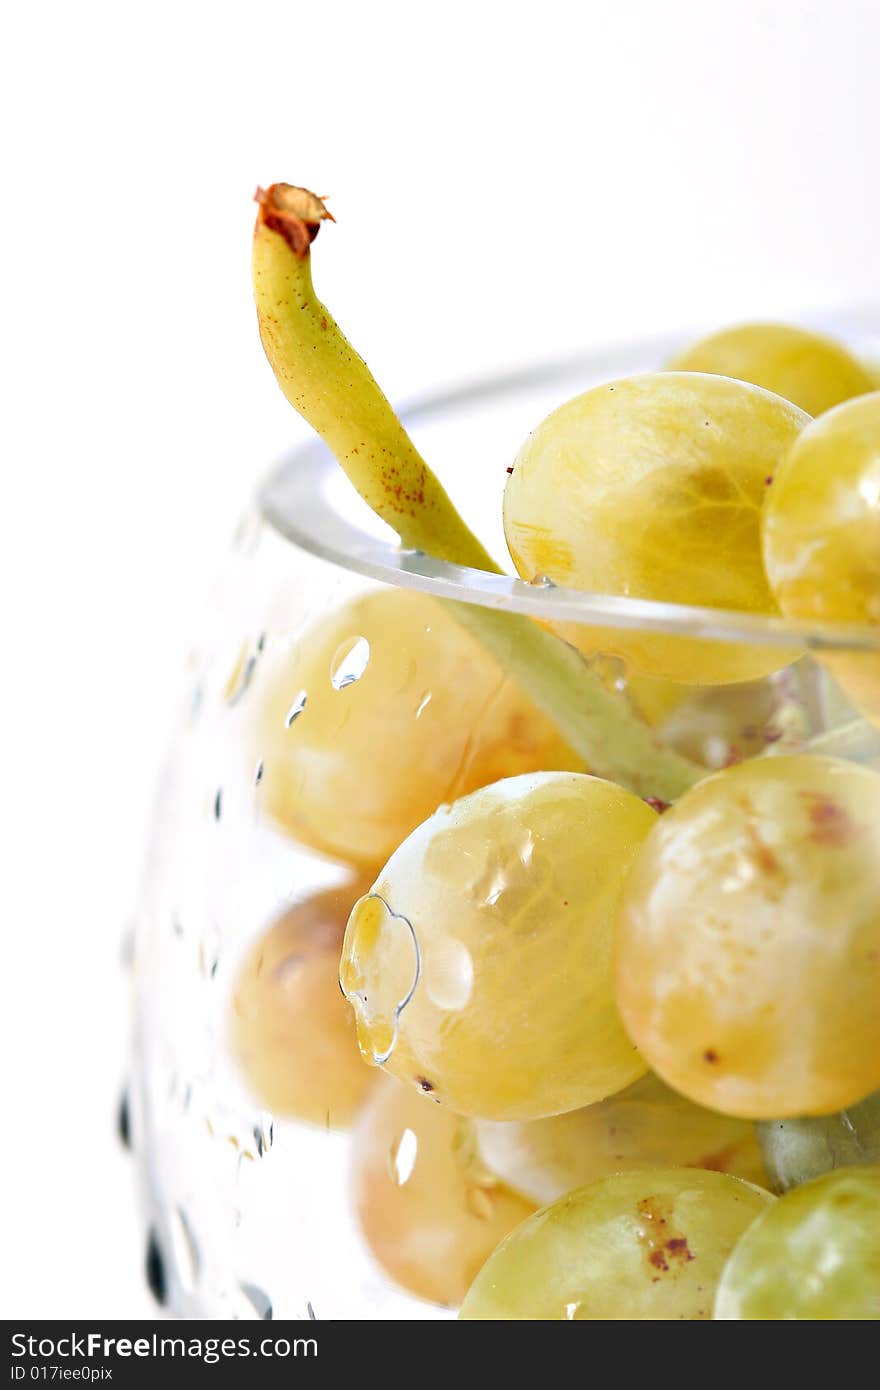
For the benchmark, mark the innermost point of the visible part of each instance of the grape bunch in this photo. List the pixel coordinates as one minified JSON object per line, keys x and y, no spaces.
{"x":611,"y":1028}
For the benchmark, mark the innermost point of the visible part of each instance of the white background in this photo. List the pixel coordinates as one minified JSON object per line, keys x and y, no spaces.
{"x":510,"y":180}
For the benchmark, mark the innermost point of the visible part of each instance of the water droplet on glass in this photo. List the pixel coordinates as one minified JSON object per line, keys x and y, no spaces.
{"x":218,"y":804}
{"x":123,"y":1121}
{"x":259,"y":1301}
{"x":209,"y":951}
{"x":312,"y":1316}
{"x":187,"y":1260}
{"x":402,"y":1158}
{"x":241,"y":675}
{"x":264,"y":1134}
{"x":542,"y":581}
{"x":299,"y":703}
{"x":258,"y":775}
{"x":349,"y":663}
{"x":154,"y":1269}
{"x":423,"y":705}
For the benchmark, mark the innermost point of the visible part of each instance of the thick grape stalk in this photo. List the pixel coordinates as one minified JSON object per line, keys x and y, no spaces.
{"x":331,"y":387}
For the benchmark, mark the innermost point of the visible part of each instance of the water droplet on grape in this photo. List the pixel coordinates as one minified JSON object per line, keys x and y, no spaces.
{"x":296,"y":709}
{"x":380,"y":970}
{"x":349,"y":663}
{"x":402,"y":1158}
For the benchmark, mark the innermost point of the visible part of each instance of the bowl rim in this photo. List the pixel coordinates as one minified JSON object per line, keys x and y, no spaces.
{"x":300,"y":500}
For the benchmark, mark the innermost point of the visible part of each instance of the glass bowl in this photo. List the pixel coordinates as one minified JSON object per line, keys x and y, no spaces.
{"x":279,"y":1176}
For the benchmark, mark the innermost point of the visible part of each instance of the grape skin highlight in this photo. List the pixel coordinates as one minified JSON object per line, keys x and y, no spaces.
{"x":639,"y":1246}
{"x":652,"y":487}
{"x":748,"y":945}
{"x":813,"y":1256}
{"x":480,"y":969}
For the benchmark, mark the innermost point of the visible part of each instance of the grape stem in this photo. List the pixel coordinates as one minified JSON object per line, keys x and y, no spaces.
{"x":330,"y":385}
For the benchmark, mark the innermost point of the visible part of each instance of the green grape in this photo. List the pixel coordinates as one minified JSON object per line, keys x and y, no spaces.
{"x":351,"y":766}
{"x":796,"y":1150}
{"x":480,"y":966}
{"x":748,"y":945}
{"x":647,"y":1125}
{"x":807,"y":368}
{"x":652,"y":487}
{"x":292,"y":1034}
{"x":640,"y":1246}
{"x":821,"y":531}
{"x":429,"y":1209}
{"x":814,"y":1255}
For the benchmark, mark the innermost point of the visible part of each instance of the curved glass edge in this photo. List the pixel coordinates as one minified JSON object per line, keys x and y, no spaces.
{"x":297,"y":500}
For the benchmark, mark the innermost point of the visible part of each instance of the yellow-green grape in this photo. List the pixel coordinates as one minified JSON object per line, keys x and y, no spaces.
{"x":813,"y":1256}
{"x":652,"y":488}
{"x":807,"y":368}
{"x":644,"y":1246}
{"x":794,"y":1151}
{"x":748,"y":945}
{"x":430,"y":1211}
{"x":385,"y":709}
{"x":480,"y":965}
{"x":292,"y":1034}
{"x":648,"y":1125}
{"x":822,"y":535}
